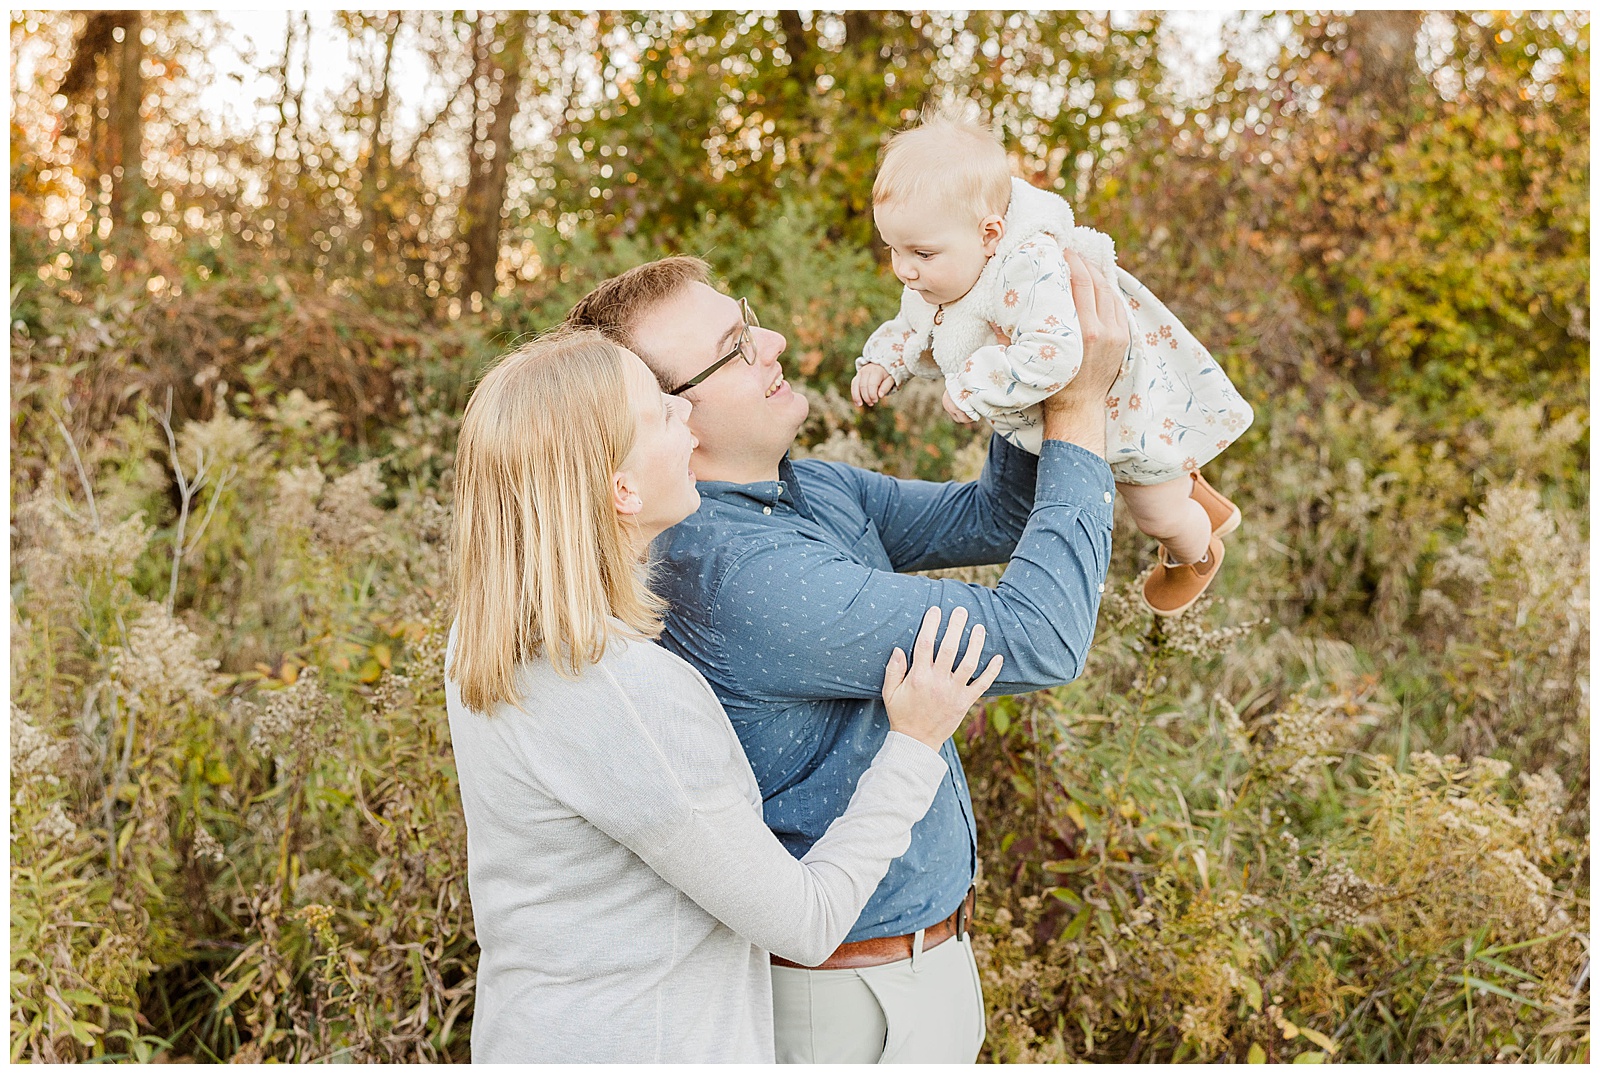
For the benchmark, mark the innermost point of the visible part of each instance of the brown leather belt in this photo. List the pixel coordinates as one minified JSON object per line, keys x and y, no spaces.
{"x":885,"y":949}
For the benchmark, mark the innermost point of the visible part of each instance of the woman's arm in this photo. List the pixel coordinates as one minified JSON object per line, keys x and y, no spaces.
{"x":658,"y":769}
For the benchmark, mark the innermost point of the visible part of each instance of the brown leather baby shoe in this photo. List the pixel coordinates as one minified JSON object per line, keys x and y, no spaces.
{"x":1223,"y":512}
{"x":1172,"y":587}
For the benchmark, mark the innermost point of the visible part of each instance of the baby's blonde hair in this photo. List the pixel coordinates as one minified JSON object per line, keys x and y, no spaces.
{"x":542,"y":557}
{"x":946,"y":162}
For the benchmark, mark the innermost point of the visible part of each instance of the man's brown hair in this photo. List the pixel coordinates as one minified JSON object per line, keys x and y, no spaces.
{"x":617,"y":304}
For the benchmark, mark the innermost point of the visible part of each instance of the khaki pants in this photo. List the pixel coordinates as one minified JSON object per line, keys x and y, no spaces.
{"x":924,"y":1009}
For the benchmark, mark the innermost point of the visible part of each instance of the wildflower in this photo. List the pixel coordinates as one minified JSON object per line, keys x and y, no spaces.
{"x":160,"y":665}
{"x":208,"y":846}
{"x":1187,"y":634}
{"x":302,"y":713}
{"x":34,"y":752}
{"x":299,"y":413}
{"x":299,"y":488}
{"x":346,"y":518}
{"x":319,"y":884}
{"x":1341,"y":895}
{"x":55,"y":826}
{"x":220,"y":442}
{"x":1305,"y":736}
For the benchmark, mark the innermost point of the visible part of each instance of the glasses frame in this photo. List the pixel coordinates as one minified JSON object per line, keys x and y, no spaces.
{"x":745,"y":348}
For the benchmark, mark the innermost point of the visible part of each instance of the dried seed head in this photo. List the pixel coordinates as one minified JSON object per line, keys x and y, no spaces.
{"x":298,"y":490}
{"x":160,"y":666}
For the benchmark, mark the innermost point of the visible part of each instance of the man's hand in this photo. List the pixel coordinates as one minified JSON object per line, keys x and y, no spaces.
{"x":955,"y":412}
{"x":1076,"y":413}
{"x":870,"y":384}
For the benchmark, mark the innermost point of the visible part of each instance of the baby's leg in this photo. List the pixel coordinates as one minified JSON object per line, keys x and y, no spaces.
{"x":1166,"y":513}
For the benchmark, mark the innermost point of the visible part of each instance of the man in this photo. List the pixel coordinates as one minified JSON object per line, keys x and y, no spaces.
{"x":784,"y":592}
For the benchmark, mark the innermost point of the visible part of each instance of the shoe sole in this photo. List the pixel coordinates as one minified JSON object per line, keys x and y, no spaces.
{"x":1230,"y":525}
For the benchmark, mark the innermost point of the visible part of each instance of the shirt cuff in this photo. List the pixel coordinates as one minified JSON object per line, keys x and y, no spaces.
{"x":1072,"y":476}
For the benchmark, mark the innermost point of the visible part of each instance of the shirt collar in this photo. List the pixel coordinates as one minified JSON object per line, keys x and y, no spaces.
{"x":761,"y":494}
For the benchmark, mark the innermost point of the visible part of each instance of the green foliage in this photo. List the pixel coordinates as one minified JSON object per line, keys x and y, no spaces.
{"x":1341,"y":811}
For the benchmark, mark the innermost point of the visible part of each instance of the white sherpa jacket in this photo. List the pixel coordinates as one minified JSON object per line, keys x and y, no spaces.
{"x":1171,"y":409}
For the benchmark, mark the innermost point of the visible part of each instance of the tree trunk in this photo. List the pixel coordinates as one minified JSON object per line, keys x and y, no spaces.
{"x":1381,"y":50}
{"x":484,"y":199}
{"x":115,"y":143}
{"x":375,"y":182}
{"x":126,"y":128}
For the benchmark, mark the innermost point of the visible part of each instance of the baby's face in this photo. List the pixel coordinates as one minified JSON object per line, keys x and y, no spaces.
{"x":939,"y":255}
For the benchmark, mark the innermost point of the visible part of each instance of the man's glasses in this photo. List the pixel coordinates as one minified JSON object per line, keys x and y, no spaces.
{"x":745,"y":349}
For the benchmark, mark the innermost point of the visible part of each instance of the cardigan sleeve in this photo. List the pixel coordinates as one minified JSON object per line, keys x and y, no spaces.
{"x":659,"y":772}
{"x":1033,"y":300}
{"x":898,"y":344}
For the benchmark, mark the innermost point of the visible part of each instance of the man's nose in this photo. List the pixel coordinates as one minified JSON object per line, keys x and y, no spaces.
{"x":772,"y":344}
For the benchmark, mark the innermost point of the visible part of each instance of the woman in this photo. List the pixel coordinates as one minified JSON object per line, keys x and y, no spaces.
{"x":625,"y":889}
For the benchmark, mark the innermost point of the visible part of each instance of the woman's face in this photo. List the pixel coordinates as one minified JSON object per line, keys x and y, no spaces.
{"x":655,"y":487}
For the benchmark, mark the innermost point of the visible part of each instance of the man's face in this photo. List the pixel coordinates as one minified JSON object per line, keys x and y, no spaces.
{"x":745,"y":416}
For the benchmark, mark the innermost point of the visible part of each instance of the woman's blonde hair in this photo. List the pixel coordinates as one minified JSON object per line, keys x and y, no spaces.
{"x":541,"y":556}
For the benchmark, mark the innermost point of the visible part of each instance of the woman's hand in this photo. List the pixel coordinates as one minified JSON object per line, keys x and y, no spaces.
{"x":929,"y":701}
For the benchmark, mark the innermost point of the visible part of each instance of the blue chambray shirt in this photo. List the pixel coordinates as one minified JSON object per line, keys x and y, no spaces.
{"x":785,"y":595}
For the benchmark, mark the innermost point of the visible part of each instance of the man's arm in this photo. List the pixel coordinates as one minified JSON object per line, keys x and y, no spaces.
{"x":927,"y":525}
{"x":799,"y":620}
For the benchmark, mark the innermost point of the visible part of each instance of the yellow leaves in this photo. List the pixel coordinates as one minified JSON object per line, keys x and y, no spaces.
{"x":1074,"y":811}
{"x":1256,"y":1055}
{"x":1291,"y":1031}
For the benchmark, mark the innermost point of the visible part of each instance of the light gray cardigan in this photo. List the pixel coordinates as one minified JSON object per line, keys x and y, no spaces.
{"x":624,"y":887}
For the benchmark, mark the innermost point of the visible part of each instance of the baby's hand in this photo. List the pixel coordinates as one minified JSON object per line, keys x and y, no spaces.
{"x":871,"y":384}
{"x":956,"y":412}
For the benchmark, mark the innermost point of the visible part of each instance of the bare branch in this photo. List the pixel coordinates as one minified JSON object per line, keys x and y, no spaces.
{"x":216,"y":494}
{"x":186,"y":494}
{"x":83,"y":477}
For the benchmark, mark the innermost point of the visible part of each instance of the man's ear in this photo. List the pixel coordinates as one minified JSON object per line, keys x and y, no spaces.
{"x":624,"y":494}
{"x":993,"y":230}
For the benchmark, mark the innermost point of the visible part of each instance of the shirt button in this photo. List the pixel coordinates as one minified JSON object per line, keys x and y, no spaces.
{"x":1108,"y":497}
{"x":766,"y":510}
{"x":1102,"y":587}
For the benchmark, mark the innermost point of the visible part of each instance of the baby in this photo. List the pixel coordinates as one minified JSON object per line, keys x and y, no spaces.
{"x":988,"y":308}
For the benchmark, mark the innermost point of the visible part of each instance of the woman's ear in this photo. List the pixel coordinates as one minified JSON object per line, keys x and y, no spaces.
{"x":624,"y":494}
{"x":993,"y":229}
